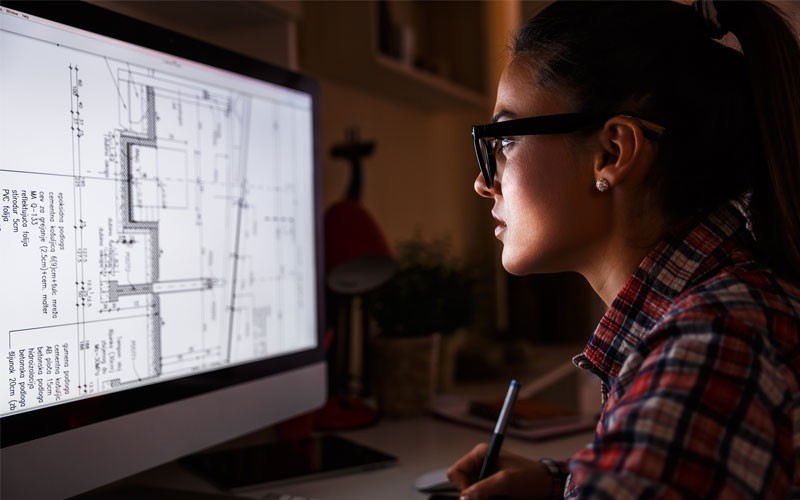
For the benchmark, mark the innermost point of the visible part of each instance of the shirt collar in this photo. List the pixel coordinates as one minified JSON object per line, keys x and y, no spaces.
{"x":681,"y":259}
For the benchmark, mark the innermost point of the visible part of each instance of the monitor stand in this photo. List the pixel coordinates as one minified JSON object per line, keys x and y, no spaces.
{"x":284,"y":462}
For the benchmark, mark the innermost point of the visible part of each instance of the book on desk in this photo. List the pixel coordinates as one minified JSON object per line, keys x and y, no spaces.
{"x":530,"y":419}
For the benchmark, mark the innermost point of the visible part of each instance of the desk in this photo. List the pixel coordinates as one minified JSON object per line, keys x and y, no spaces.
{"x":420,"y":445}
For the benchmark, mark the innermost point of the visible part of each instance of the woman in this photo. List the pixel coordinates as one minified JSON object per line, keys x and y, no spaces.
{"x":630,"y":146}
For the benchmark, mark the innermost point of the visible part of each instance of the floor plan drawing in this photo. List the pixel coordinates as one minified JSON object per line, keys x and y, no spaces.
{"x":151,"y":214}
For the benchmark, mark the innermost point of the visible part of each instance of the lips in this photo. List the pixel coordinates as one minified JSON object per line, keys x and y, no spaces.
{"x":500,"y":227}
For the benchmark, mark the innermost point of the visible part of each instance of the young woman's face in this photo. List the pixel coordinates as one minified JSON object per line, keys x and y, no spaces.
{"x":545,"y":204}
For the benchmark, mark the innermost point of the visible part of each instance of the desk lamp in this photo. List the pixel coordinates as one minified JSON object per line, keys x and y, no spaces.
{"x":357,"y":260}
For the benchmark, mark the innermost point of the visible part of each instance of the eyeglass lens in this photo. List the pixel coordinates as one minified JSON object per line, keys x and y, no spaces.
{"x":488,"y":163}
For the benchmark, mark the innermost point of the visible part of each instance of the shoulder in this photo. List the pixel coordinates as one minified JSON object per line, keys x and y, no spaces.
{"x":738,"y":301}
{"x":740,"y":321}
{"x":709,"y":391}
{"x":730,"y":344}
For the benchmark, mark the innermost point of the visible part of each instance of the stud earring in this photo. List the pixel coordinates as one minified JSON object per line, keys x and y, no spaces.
{"x":602,"y":185}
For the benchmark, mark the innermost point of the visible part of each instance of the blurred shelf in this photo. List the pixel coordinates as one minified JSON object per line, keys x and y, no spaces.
{"x":340,"y":41}
{"x":427,"y":89}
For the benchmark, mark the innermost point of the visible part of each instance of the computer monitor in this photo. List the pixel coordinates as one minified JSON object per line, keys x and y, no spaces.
{"x":160,"y":247}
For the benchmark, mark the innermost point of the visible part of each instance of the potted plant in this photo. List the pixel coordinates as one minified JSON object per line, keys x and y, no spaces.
{"x":430,"y":296}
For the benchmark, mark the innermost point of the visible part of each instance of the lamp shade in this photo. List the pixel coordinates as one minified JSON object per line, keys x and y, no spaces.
{"x":357,"y":257}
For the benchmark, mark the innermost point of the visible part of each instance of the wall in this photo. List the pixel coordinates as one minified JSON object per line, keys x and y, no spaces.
{"x":420,"y":176}
{"x":419,"y":179}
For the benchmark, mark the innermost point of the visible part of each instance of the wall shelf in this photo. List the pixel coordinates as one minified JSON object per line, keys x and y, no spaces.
{"x":340,"y":41}
{"x":434,"y":91}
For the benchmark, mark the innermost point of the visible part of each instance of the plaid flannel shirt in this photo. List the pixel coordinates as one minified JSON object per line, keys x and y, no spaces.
{"x":699,"y":356}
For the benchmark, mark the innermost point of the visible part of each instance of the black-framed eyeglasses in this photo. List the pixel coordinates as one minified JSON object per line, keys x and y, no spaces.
{"x":488,"y":138}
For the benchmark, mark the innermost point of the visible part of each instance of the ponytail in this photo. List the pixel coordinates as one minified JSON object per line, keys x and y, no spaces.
{"x":772,"y":58}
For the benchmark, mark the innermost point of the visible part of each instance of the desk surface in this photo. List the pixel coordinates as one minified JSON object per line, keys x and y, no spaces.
{"x":420,"y":445}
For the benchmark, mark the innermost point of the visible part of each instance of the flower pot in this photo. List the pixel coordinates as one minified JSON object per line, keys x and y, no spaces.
{"x":404,"y":374}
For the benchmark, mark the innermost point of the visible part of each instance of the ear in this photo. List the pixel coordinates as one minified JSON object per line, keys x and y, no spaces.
{"x":625,"y":155}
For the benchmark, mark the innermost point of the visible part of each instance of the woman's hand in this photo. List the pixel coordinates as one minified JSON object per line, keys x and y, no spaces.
{"x":516,"y":477}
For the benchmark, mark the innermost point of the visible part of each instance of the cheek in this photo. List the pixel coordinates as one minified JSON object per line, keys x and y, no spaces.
{"x":528,"y":203}
{"x":540,"y":188}
{"x":548,"y":205}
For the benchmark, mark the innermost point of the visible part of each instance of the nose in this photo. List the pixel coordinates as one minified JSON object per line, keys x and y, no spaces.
{"x":480,"y":187}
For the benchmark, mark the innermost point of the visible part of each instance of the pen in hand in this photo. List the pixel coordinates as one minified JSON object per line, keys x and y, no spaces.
{"x":490,"y":460}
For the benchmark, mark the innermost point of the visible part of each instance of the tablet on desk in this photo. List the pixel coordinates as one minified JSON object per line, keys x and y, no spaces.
{"x":286,"y":461}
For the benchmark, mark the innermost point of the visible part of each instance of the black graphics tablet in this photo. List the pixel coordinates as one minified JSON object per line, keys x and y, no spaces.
{"x":286,"y":461}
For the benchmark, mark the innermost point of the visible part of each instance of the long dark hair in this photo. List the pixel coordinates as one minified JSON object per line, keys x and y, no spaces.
{"x":733,"y":117}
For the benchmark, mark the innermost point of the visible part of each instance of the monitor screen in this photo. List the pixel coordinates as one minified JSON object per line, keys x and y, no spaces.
{"x":159,"y":233}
